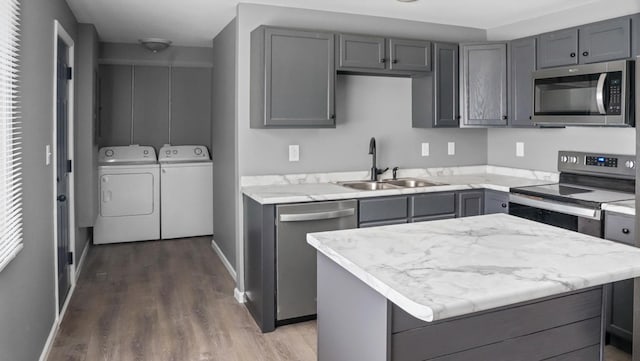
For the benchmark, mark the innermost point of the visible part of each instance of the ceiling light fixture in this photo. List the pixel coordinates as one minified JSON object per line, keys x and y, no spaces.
{"x":155,"y":44}
{"x":407,"y":1}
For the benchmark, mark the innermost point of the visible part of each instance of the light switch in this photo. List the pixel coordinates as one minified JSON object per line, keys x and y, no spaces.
{"x":425,"y":149}
{"x":294,"y":153}
{"x":519,"y":149}
{"x":47,"y":154}
{"x":451,"y":148}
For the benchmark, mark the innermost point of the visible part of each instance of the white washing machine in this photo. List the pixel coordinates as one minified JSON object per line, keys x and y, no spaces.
{"x":186,"y":191}
{"x":129,"y":186}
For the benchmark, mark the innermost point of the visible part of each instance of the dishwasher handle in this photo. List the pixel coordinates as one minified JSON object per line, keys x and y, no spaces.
{"x":302,"y":217}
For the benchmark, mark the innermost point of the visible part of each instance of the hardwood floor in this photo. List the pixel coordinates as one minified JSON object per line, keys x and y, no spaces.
{"x":167,"y":300}
{"x":171,"y":300}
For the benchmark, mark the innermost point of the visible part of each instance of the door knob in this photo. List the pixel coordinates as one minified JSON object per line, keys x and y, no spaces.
{"x":62,"y":198}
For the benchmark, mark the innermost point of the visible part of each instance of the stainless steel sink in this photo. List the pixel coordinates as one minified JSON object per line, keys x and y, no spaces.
{"x":368,"y":185}
{"x":410,"y":182}
{"x":388,"y":184}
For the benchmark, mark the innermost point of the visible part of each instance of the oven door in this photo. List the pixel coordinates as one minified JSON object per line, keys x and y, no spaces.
{"x":563,"y":215}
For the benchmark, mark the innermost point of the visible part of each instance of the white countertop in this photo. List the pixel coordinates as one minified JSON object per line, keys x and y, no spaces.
{"x":294,"y":193}
{"x":624,"y":207}
{"x":440,"y":269}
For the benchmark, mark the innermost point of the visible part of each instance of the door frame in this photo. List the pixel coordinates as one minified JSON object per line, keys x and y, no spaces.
{"x":59,"y":33}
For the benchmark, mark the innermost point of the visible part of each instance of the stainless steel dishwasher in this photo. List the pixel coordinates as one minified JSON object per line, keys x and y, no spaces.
{"x":296,"y":259}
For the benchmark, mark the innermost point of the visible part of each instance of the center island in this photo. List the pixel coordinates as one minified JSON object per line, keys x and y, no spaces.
{"x":493,"y":287}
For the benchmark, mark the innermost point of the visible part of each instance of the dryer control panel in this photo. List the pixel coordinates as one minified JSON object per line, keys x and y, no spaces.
{"x":127,"y":154}
{"x":183,"y":153}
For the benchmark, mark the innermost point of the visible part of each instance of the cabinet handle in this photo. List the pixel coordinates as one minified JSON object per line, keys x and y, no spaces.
{"x":504,"y":205}
{"x":383,"y":60}
{"x":530,"y":117}
{"x":586,"y":53}
{"x":458,"y":117}
{"x":395,"y":61}
{"x":504,"y":117}
{"x":625,"y":230}
{"x":573,"y":55}
{"x":332,"y":116}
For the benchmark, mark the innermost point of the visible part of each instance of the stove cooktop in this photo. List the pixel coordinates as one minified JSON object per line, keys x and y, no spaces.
{"x":573,"y":193}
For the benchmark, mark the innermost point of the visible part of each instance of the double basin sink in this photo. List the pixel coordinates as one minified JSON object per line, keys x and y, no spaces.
{"x":388,"y":184}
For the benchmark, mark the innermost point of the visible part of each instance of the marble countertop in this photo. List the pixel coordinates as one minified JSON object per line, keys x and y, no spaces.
{"x":624,"y":207}
{"x":324,"y":191}
{"x":440,"y":269}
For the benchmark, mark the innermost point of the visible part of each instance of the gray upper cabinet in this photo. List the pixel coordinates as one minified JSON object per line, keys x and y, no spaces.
{"x":558,"y":48}
{"x":484,"y":84}
{"x":292,"y":78}
{"x":606,"y":40}
{"x":635,"y":35}
{"x":361,"y":52}
{"x":522,"y":63}
{"x":442,"y":87}
{"x":409,"y":55}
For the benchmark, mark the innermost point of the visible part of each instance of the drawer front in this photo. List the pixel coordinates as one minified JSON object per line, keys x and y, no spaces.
{"x":432,"y":218}
{"x":620,"y":228}
{"x":383,"y":223}
{"x":383,"y":209}
{"x":432,"y":204}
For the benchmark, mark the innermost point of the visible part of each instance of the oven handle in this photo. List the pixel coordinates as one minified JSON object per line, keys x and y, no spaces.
{"x":600,"y":94}
{"x":577,"y":211}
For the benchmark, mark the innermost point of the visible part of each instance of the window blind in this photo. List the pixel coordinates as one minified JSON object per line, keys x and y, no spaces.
{"x":10,"y":134}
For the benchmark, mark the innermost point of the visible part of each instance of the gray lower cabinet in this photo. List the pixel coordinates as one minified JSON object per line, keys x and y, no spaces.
{"x":432,"y":206}
{"x":470,"y":203}
{"x":292,"y":78}
{"x":522,"y":63}
{"x":382,"y":211}
{"x":605,"y":40}
{"x":435,"y":95}
{"x":495,"y":202}
{"x":558,"y":48}
{"x":484,"y":84}
{"x":619,"y":314}
{"x":361,"y":52}
{"x":409,"y":55}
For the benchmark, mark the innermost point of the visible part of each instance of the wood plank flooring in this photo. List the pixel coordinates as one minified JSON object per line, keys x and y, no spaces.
{"x":171,"y":300}
{"x":167,"y":300}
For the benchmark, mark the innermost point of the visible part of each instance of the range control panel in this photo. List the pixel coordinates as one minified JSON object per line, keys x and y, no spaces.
{"x":614,"y":165}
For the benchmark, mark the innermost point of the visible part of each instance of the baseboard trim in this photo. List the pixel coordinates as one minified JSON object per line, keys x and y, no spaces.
{"x":224,"y":260}
{"x":83,"y":257}
{"x":239,"y":296}
{"x":47,"y":346}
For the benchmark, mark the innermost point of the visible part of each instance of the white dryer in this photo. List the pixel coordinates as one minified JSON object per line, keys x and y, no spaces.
{"x":129,"y":186}
{"x":186,"y":191}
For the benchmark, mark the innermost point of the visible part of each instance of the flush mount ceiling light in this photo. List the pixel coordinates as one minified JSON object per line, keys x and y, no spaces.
{"x":407,"y":1}
{"x":155,"y":44}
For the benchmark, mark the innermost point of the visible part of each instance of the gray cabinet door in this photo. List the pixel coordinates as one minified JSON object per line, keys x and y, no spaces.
{"x":606,"y":40}
{"x":292,"y":78}
{"x":558,"y":48}
{"x":496,"y":202}
{"x":151,"y":105}
{"x":115,"y":105}
{"x":362,"y":52}
{"x":470,"y":203}
{"x":522,"y":63}
{"x":484,"y":84}
{"x":635,"y":35}
{"x":445,"y":79}
{"x":190,"y":106}
{"x":383,"y":210}
{"x":410,"y":55}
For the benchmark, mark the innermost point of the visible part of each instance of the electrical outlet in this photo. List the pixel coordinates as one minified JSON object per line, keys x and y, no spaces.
{"x":519,"y":149}
{"x":294,"y":153}
{"x":451,"y":148}
{"x":425,"y":149}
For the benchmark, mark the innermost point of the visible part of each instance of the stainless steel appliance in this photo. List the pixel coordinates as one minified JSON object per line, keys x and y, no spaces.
{"x":587,"y":180}
{"x":296,"y":260}
{"x":592,"y":94}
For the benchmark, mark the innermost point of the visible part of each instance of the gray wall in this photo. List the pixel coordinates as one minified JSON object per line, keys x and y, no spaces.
{"x":27,"y":305}
{"x":542,"y":145}
{"x":362,"y":111}
{"x":224,"y":142}
{"x":86,"y":147}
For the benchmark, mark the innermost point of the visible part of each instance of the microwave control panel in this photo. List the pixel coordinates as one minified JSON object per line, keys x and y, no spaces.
{"x":614,"y":93}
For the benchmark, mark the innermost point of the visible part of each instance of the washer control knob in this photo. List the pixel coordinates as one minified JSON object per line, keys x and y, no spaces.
{"x":145,"y":152}
{"x":198,"y":151}
{"x":564,"y":159}
{"x":167,"y":152}
{"x":109,"y":153}
{"x":630,"y":164}
{"x":175,"y":151}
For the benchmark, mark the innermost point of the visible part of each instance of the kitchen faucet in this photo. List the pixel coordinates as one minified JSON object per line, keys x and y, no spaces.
{"x":374,"y":169}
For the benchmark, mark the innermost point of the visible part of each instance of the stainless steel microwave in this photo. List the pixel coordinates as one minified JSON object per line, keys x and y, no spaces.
{"x":593,"y":94}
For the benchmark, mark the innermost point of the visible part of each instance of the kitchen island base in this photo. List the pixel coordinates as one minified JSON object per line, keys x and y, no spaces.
{"x":355,"y":323}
